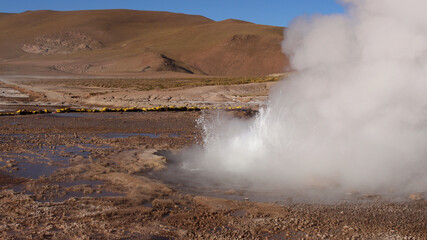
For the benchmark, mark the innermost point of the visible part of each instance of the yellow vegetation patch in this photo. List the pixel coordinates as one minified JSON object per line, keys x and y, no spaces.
{"x":105,"y":109}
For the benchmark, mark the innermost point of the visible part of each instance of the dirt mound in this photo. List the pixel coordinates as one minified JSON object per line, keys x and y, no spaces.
{"x":126,"y":41}
{"x":233,"y":21}
{"x":243,"y":54}
{"x":61,"y":43}
{"x":145,"y":61}
{"x":169,"y":64}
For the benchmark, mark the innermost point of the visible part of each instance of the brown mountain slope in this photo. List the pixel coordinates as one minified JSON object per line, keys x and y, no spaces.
{"x":127,"y":41}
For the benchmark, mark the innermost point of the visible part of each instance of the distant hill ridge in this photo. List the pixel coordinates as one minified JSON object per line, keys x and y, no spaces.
{"x":115,"y":41}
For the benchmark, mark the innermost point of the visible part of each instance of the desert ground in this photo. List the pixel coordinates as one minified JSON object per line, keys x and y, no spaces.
{"x":99,"y":175}
{"x":127,"y":42}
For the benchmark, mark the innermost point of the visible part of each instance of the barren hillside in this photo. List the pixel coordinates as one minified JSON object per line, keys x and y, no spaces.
{"x":106,"y":42}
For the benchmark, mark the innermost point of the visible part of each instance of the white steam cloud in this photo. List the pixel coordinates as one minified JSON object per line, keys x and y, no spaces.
{"x":352,"y":118}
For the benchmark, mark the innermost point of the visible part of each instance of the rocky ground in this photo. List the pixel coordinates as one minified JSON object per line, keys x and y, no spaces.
{"x":91,"y":176}
{"x":80,"y":91}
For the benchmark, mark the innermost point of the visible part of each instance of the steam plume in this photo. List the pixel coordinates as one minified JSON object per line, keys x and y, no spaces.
{"x":352,"y":117}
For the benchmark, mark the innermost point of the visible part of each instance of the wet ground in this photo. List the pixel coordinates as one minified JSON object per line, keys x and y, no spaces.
{"x":96,"y":176}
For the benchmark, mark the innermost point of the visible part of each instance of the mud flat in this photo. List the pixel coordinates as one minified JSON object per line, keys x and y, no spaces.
{"x":91,"y":176}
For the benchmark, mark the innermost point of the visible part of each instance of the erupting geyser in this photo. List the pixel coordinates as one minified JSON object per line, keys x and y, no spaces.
{"x":352,"y":118}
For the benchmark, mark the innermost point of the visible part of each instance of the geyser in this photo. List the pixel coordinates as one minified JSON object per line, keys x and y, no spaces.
{"x":353,"y":117}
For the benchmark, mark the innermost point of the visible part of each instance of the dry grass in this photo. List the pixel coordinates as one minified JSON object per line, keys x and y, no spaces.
{"x":155,"y":84}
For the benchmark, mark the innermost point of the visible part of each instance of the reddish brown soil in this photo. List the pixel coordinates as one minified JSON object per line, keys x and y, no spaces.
{"x":109,"y":42}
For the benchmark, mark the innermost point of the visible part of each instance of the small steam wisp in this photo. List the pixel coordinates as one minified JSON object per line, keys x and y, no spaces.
{"x":352,"y":118}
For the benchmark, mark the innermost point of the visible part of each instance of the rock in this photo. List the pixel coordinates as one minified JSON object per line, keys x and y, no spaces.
{"x":417,"y":196}
{"x":162,"y":203}
{"x":61,"y":43}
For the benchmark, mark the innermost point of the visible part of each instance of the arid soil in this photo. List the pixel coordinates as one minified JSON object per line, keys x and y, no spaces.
{"x":91,"y":176}
{"x":105,"y":175}
{"x":109,"y":175}
{"x":108,"y":42}
{"x":79,"y":91}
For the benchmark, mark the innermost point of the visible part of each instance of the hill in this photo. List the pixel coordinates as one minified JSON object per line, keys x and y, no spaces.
{"x":102,"y":42}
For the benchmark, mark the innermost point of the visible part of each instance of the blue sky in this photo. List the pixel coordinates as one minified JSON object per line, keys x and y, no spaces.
{"x":269,"y":12}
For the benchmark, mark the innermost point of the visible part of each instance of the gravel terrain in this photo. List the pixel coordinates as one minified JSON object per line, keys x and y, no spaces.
{"x":90,"y":176}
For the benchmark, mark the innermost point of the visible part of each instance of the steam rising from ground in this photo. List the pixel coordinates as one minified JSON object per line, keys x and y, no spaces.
{"x":353,"y":117}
